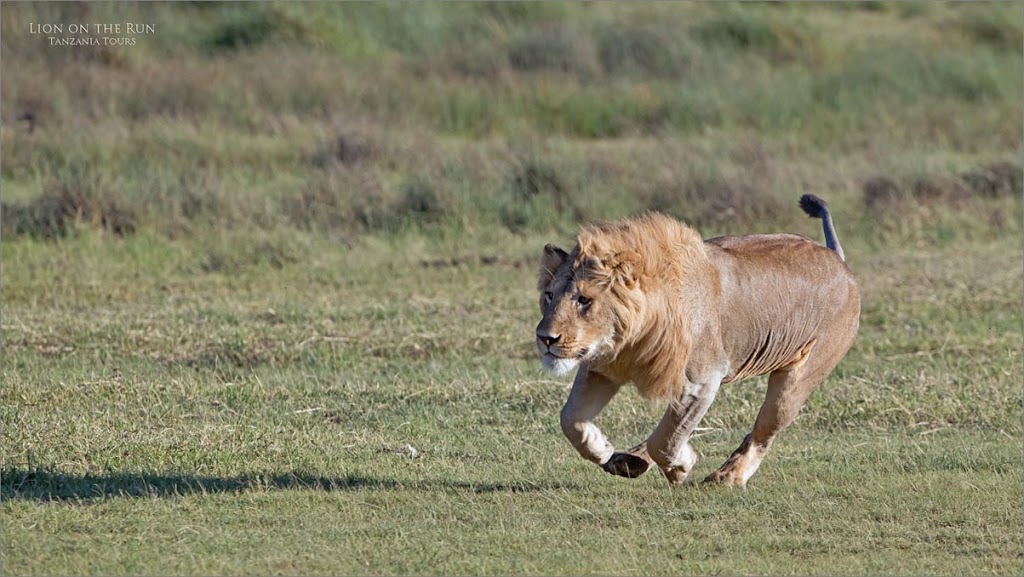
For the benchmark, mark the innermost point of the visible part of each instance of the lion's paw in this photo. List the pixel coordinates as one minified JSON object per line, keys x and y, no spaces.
{"x":676,"y":475}
{"x":729,"y":476}
{"x":626,"y":465}
{"x":740,"y":467}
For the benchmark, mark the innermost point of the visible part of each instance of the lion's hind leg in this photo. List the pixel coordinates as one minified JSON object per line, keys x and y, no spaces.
{"x":788,"y":390}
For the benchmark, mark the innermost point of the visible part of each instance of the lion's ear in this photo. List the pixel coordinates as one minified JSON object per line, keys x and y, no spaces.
{"x":627,"y":267}
{"x":552,"y":260}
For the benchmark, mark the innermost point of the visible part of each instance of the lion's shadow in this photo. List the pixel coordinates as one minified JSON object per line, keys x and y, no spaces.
{"x":50,"y":485}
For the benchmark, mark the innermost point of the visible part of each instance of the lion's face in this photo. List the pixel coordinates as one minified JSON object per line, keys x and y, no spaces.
{"x":584,"y":312}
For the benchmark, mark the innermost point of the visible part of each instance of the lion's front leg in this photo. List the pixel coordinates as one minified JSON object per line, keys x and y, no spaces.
{"x":589,"y":395}
{"x":630,"y":463}
{"x":669,"y":444}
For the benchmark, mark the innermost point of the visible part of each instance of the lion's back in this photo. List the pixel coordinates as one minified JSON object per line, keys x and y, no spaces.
{"x":779,"y":254}
{"x":779,"y":291}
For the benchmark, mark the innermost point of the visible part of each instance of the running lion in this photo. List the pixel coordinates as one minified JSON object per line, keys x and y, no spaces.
{"x":645,"y":301}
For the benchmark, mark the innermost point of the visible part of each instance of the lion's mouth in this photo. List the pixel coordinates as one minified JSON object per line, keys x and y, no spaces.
{"x":561,"y":363}
{"x":579,"y":355}
{"x":559,"y":366}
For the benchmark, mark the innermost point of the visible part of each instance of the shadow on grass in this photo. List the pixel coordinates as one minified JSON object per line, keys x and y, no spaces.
{"x":48,"y":485}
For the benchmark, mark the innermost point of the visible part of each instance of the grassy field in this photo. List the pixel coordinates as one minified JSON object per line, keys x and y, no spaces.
{"x":268,"y":284}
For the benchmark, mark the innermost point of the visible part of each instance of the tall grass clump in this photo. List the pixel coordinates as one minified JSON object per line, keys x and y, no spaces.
{"x":777,"y":39}
{"x":942,"y":207}
{"x":996,"y":25}
{"x":535,"y":196}
{"x":249,"y":27}
{"x":643,"y":49}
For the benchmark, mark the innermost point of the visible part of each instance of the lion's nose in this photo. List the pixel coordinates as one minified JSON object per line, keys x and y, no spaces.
{"x":548,"y":340}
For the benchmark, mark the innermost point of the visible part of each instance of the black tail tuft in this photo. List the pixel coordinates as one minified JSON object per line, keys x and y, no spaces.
{"x":818,"y":208}
{"x":813,"y":206}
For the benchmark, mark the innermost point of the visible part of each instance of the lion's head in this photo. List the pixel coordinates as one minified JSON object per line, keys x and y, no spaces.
{"x":581,"y":300}
{"x":610,"y":291}
{"x":592,"y":298}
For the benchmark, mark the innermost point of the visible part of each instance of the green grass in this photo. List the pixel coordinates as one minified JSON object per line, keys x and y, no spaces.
{"x":251,"y":259}
{"x":524,"y":513}
{"x":251,"y":421}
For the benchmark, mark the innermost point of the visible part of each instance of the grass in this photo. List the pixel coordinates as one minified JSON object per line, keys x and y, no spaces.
{"x":222,"y":422}
{"x":396,"y":518}
{"x":254,"y":260}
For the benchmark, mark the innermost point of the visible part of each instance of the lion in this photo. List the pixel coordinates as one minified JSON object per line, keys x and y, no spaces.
{"x":646,"y":301}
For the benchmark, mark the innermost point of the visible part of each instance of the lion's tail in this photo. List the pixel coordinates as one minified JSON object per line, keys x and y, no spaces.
{"x":818,"y":208}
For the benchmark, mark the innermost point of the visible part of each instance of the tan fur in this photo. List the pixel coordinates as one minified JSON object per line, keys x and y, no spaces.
{"x":677,"y":316}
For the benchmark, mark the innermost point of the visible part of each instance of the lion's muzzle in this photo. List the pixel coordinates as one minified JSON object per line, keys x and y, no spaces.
{"x":559,"y":366}
{"x":547,"y":340}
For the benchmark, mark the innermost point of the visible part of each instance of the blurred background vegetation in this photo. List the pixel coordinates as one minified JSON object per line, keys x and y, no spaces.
{"x":476,"y":120}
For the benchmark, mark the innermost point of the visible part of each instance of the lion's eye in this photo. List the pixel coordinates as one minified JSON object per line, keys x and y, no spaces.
{"x":548,"y":296}
{"x":584,"y":301}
